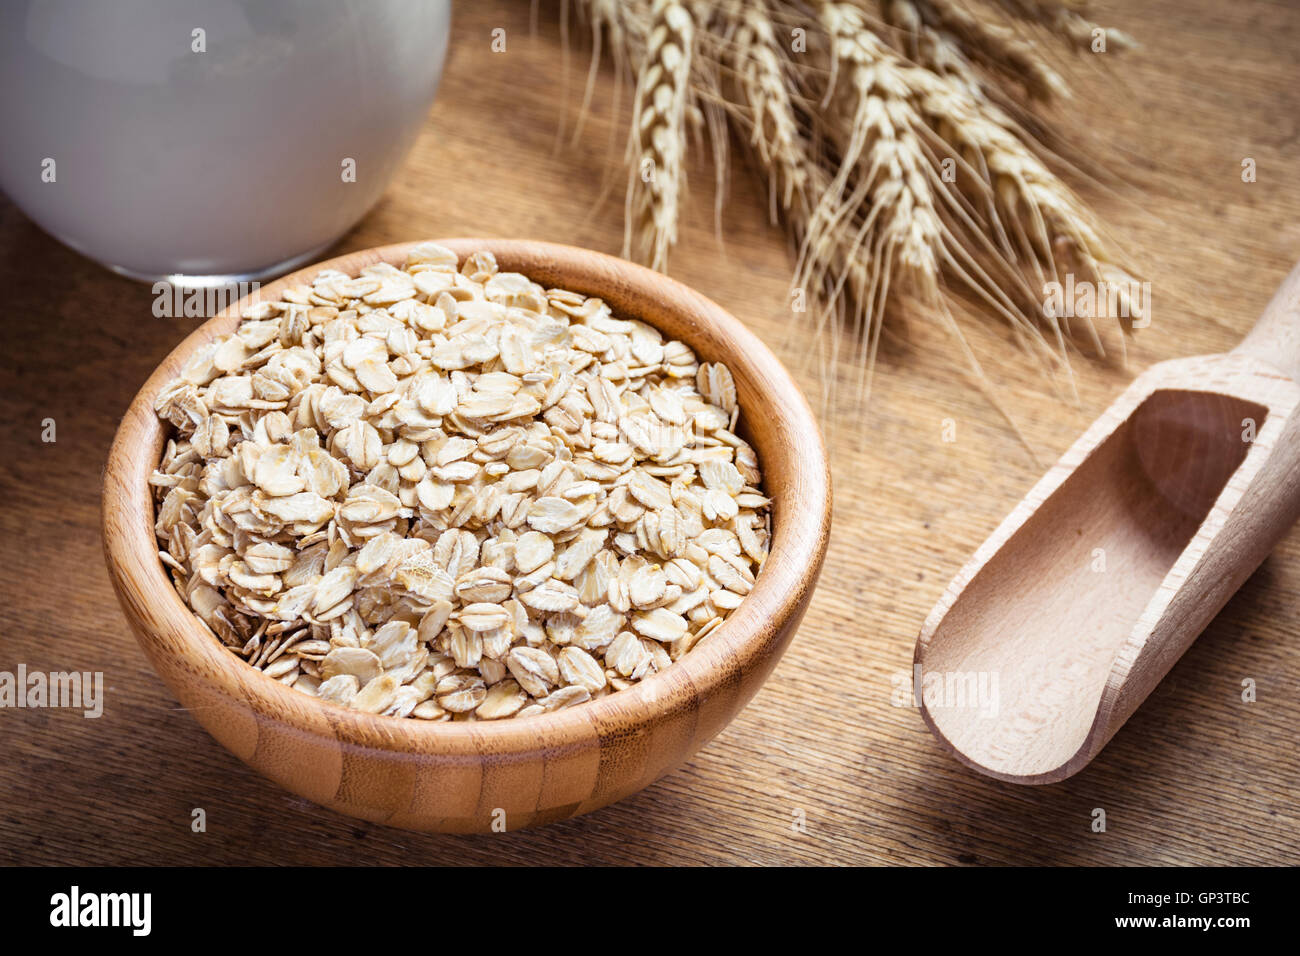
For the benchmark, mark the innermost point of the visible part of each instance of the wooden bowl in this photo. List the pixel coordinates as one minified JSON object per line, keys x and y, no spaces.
{"x":479,"y":776}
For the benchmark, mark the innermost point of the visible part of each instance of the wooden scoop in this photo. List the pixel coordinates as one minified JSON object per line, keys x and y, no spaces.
{"x":1083,"y":598}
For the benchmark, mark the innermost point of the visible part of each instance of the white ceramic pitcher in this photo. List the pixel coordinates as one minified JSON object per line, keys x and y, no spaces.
{"x":224,"y":139}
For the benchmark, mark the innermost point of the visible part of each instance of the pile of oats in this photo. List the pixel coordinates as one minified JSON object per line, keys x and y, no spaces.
{"x":445,"y":492}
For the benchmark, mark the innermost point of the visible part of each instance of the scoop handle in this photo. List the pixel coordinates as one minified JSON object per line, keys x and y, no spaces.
{"x":1276,"y":336}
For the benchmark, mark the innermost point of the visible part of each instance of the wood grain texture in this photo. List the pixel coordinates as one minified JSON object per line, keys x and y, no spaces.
{"x":483,"y":777}
{"x":1196,"y":775}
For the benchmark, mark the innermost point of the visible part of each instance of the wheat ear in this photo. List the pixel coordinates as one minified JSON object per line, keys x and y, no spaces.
{"x":1067,"y":20}
{"x":761,"y":80}
{"x":879,"y":210}
{"x":882,"y":162}
{"x":657,"y":143}
{"x":993,"y":45}
{"x":1025,"y":219}
{"x":1039,"y":225}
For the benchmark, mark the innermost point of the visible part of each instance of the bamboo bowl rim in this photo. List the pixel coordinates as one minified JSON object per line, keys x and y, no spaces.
{"x":796,"y":476}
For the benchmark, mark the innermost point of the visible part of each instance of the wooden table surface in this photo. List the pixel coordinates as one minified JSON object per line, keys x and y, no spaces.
{"x":1197,"y":776}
